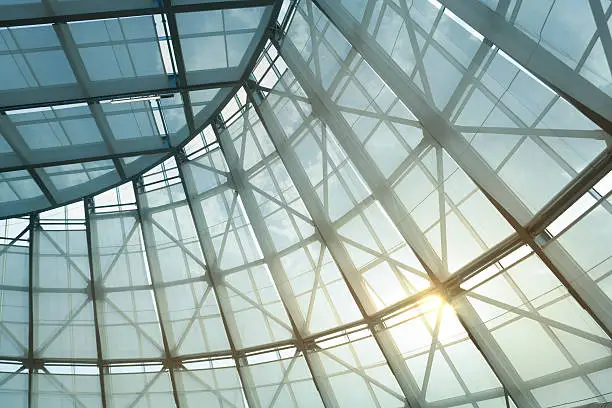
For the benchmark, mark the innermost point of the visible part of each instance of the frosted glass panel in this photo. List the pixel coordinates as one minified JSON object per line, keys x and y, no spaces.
{"x":282,"y":383}
{"x":370,"y":220}
{"x":126,"y":312}
{"x":190,"y":314}
{"x":211,"y":387}
{"x":63,"y":311}
{"x":65,"y":390}
{"x":14,"y":301}
{"x":151,"y":389}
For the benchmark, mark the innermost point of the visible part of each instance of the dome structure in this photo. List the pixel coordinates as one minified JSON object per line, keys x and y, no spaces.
{"x":364,"y":203}
{"x":94,"y":92}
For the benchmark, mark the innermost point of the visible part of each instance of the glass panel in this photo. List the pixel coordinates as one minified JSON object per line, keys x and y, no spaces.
{"x":29,"y":52}
{"x":583,"y":250}
{"x":126,"y":311}
{"x":72,"y":181}
{"x":63,"y":312}
{"x":58,"y":127}
{"x":209,"y":387}
{"x":138,"y":387}
{"x":77,"y":389}
{"x":19,"y":193}
{"x":441,"y":358}
{"x":14,"y":309}
{"x":227,"y":35}
{"x":189,"y":310}
{"x":527,"y":298}
{"x":282,"y":383}
{"x":131,"y":120}
{"x":360,"y":367}
{"x":13,"y":386}
{"x":118,"y":48}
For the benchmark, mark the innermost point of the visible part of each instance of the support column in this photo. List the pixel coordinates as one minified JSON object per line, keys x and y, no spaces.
{"x":210,"y":257}
{"x":317,"y":213}
{"x":169,"y":361}
{"x":331,"y":239}
{"x":34,"y":220}
{"x":436,"y":125}
{"x":241,"y":184}
{"x":88,"y":204}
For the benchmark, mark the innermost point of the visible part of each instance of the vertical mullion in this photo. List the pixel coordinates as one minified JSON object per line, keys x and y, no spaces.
{"x":264,"y":240}
{"x":169,"y":359}
{"x":209,"y":254}
{"x":89,"y":208}
{"x":30,"y":359}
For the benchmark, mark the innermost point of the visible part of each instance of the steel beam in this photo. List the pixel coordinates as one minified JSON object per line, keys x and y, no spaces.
{"x":540,"y":62}
{"x":209,"y":253}
{"x":113,"y":156}
{"x":496,"y":191}
{"x":33,"y":14}
{"x":71,"y":51}
{"x":180,"y":63}
{"x":330,"y":239}
{"x":262,"y":235}
{"x":37,"y":98}
{"x":90,"y":231}
{"x":476,"y":168}
{"x":147,"y":235}
{"x":30,"y":355}
{"x":579,"y":186}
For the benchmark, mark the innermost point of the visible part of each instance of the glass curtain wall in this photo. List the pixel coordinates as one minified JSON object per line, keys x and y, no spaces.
{"x":394,"y":210}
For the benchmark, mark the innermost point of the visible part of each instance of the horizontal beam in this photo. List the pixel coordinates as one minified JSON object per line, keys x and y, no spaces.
{"x":32,"y":14}
{"x":124,"y":88}
{"x":87,"y":159}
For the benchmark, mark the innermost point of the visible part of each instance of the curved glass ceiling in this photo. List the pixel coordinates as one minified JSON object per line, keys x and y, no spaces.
{"x":389,"y":211}
{"x":91,"y":95}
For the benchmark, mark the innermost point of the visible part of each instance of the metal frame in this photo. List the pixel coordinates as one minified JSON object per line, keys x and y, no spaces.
{"x":161,"y":7}
{"x":529,"y":229}
{"x":492,"y":186}
{"x":177,"y":83}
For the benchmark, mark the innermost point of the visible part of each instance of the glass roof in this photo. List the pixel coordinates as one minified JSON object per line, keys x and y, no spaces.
{"x":396,"y":207}
{"x":127,"y":88}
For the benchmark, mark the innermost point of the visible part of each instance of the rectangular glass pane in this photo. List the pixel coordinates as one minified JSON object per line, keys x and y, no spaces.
{"x":189,"y":310}
{"x":63,"y":311}
{"x":282,"y":383}
{"x":127,"y":317}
